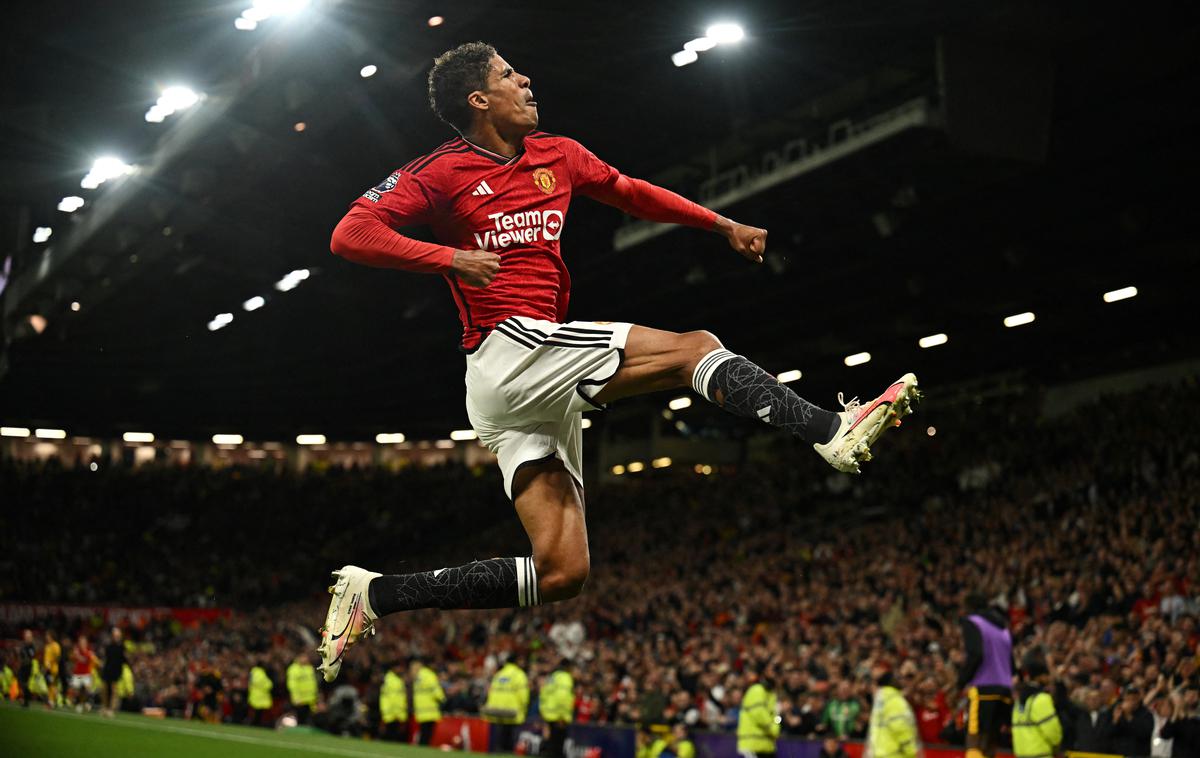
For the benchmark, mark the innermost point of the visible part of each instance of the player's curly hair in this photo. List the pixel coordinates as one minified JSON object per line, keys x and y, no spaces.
{"x":455,"y":74}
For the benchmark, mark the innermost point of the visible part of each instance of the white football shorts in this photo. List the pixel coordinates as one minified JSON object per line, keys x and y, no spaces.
{"x":529,"y":383}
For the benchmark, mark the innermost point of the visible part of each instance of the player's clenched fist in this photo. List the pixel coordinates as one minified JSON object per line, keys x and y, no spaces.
{"x":475,"y":267}
{"x":749,"y":241}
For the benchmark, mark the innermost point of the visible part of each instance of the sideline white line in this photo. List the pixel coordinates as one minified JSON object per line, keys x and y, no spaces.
{"x":148,"y":725}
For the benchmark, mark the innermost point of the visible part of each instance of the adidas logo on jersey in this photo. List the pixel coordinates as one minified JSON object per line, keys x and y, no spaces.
{"x":483,"y":189}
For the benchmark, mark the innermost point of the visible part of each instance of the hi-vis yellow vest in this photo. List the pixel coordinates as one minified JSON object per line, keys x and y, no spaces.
{"x":508,"y":696}
{"x":427,"y":696}
{"x":1036,"y":731}
{"x":758,"y":726}
{"x":393,"y":699}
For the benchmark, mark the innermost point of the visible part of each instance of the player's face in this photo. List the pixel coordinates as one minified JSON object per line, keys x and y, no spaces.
{"x":510,"y":100}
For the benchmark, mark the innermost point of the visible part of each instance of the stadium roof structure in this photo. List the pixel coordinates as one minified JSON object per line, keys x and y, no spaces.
{"x":882,"y":231}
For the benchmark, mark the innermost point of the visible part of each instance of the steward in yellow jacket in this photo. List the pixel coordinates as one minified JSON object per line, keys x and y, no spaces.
{"x":393,"y":704}
{"x":302,"y":687}
{"x":1036,"y":730}
{"x":506,"y":705}
{"x":556,"y":703}
{"x":258,"y":695}
{"x":893,"y":729}
{"x":758,"y":721}
{"x":427,"y":698}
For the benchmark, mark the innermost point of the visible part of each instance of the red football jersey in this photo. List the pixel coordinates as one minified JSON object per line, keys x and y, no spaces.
{"x":516,"y":207}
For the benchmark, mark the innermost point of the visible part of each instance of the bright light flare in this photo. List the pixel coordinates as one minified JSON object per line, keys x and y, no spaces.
{"x":368,"y":71}
{"x":241,"y":23}
{"x":42,"y":233}
{"x":228,"y":439}
{"x":137,"y":437}
{"x":725,"y":33}
{"x":254,"y":303}
{"x":618,"y":470}
{"x":661,"y":462}
{"x":70,"y":203}
{"x":292,"y":280}
{"x":933,"y":340}
{"x":789,"y":376}
{"x":857,"y":359}
{"x":310,"y":439}
{"x":684,"y":57}
{"x":221,"y":321}
{"x":1019,"y":319}
{"x":700,"y":44}
{"x":389,"y":438}
{"x":1109,"y":297}
{"x":462,"y":435}
{"x":436,"y":21}
{"x":635,"y":467}
{"x":50,"y":434}
{"x":680,"y":403}
{"x":13,"y":431}
{"x":586,"y":424}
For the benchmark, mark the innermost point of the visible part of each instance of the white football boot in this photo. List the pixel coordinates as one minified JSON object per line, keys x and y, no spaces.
{"x":349,"y":618}
{"x":862,"y":424}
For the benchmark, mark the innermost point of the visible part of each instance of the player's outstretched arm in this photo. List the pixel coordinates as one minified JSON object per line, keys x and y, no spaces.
{"x":642,"y":199}
{"x":363,"y":238}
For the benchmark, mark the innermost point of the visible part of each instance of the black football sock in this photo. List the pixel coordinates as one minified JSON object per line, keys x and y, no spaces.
{"x":494,"y":583}
{"x":748,"y":391}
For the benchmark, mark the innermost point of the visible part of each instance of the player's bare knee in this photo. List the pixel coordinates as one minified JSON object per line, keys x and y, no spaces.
{"x":696,"y":345}
{"x":562,"y":579}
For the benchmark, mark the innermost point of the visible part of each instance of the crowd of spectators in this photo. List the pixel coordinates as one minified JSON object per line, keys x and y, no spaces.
{"x":1081,"y":527}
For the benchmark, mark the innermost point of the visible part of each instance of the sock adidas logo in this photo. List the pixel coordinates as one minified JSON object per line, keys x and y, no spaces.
{"x":483,"y":189}
{"x":765,"y":414}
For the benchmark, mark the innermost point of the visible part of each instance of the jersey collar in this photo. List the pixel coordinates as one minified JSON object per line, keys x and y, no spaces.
{"x":497,"y":157}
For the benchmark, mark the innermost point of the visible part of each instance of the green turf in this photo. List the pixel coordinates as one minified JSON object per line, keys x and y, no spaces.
{"x":39,"y":732}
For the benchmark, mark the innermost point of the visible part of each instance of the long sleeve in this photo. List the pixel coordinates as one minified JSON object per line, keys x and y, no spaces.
{"x":644,"y":200}
{"x":596,"y":179}
{"x":362,"y":237}
{"x":973,"y":642}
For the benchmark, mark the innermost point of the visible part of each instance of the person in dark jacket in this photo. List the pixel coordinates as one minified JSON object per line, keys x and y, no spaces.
{"x":1183,"y":729}
{"x":1091,"y":725}
{"x":986,"y":675}
{"x":110,"y":673}
{"x":1133,"y":724}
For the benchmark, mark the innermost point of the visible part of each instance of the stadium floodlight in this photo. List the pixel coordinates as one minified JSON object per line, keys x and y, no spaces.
{"x":177,"y":98}
{"x":857,"y":359}
{"x":933,"y":340}
{"x":368,"y":71}
{"x":789,"y":376}
{"x":42,"y":233}
{"x":240,"y":23}
{"x":256,"y":14}
{"x":104,"y":168}
{"x":220,"y":321}
{"x":587,"y":424}
{"x":389,"y":438}
{"x":137,"y":437}
{"x":462,"y":435}
{"x":254,"y":303}
{"x":50,"y":434}
{"x":292,"y":280}
{"x":75,"y":306}
{"x":13,"y":431}
{"x":156,"y":115}
{"x":1019,"y":319}
{"x":635,"y":466}
{"x":1109,"y":297}
{"x":700,"y":44}
{"x":70,"y":203}
{"x":310,"y":439}
{"x":684,"y":57}
{"x":618,"y":469}
{"x":436,"y":21}
{"x":662,"y":462}
{"x":702,"y":468}
{"x":228,"y":439}
{"x":725,"y":33}
{"x":680,"y":403}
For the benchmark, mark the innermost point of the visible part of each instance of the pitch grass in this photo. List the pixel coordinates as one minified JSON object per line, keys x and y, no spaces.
{"x":37,"y":732}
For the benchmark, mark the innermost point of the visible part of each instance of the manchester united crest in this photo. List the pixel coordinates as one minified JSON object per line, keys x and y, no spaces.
{"x":544,"y":179}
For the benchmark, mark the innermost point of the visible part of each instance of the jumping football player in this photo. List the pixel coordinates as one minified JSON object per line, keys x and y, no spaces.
{"x":496,"y":197}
